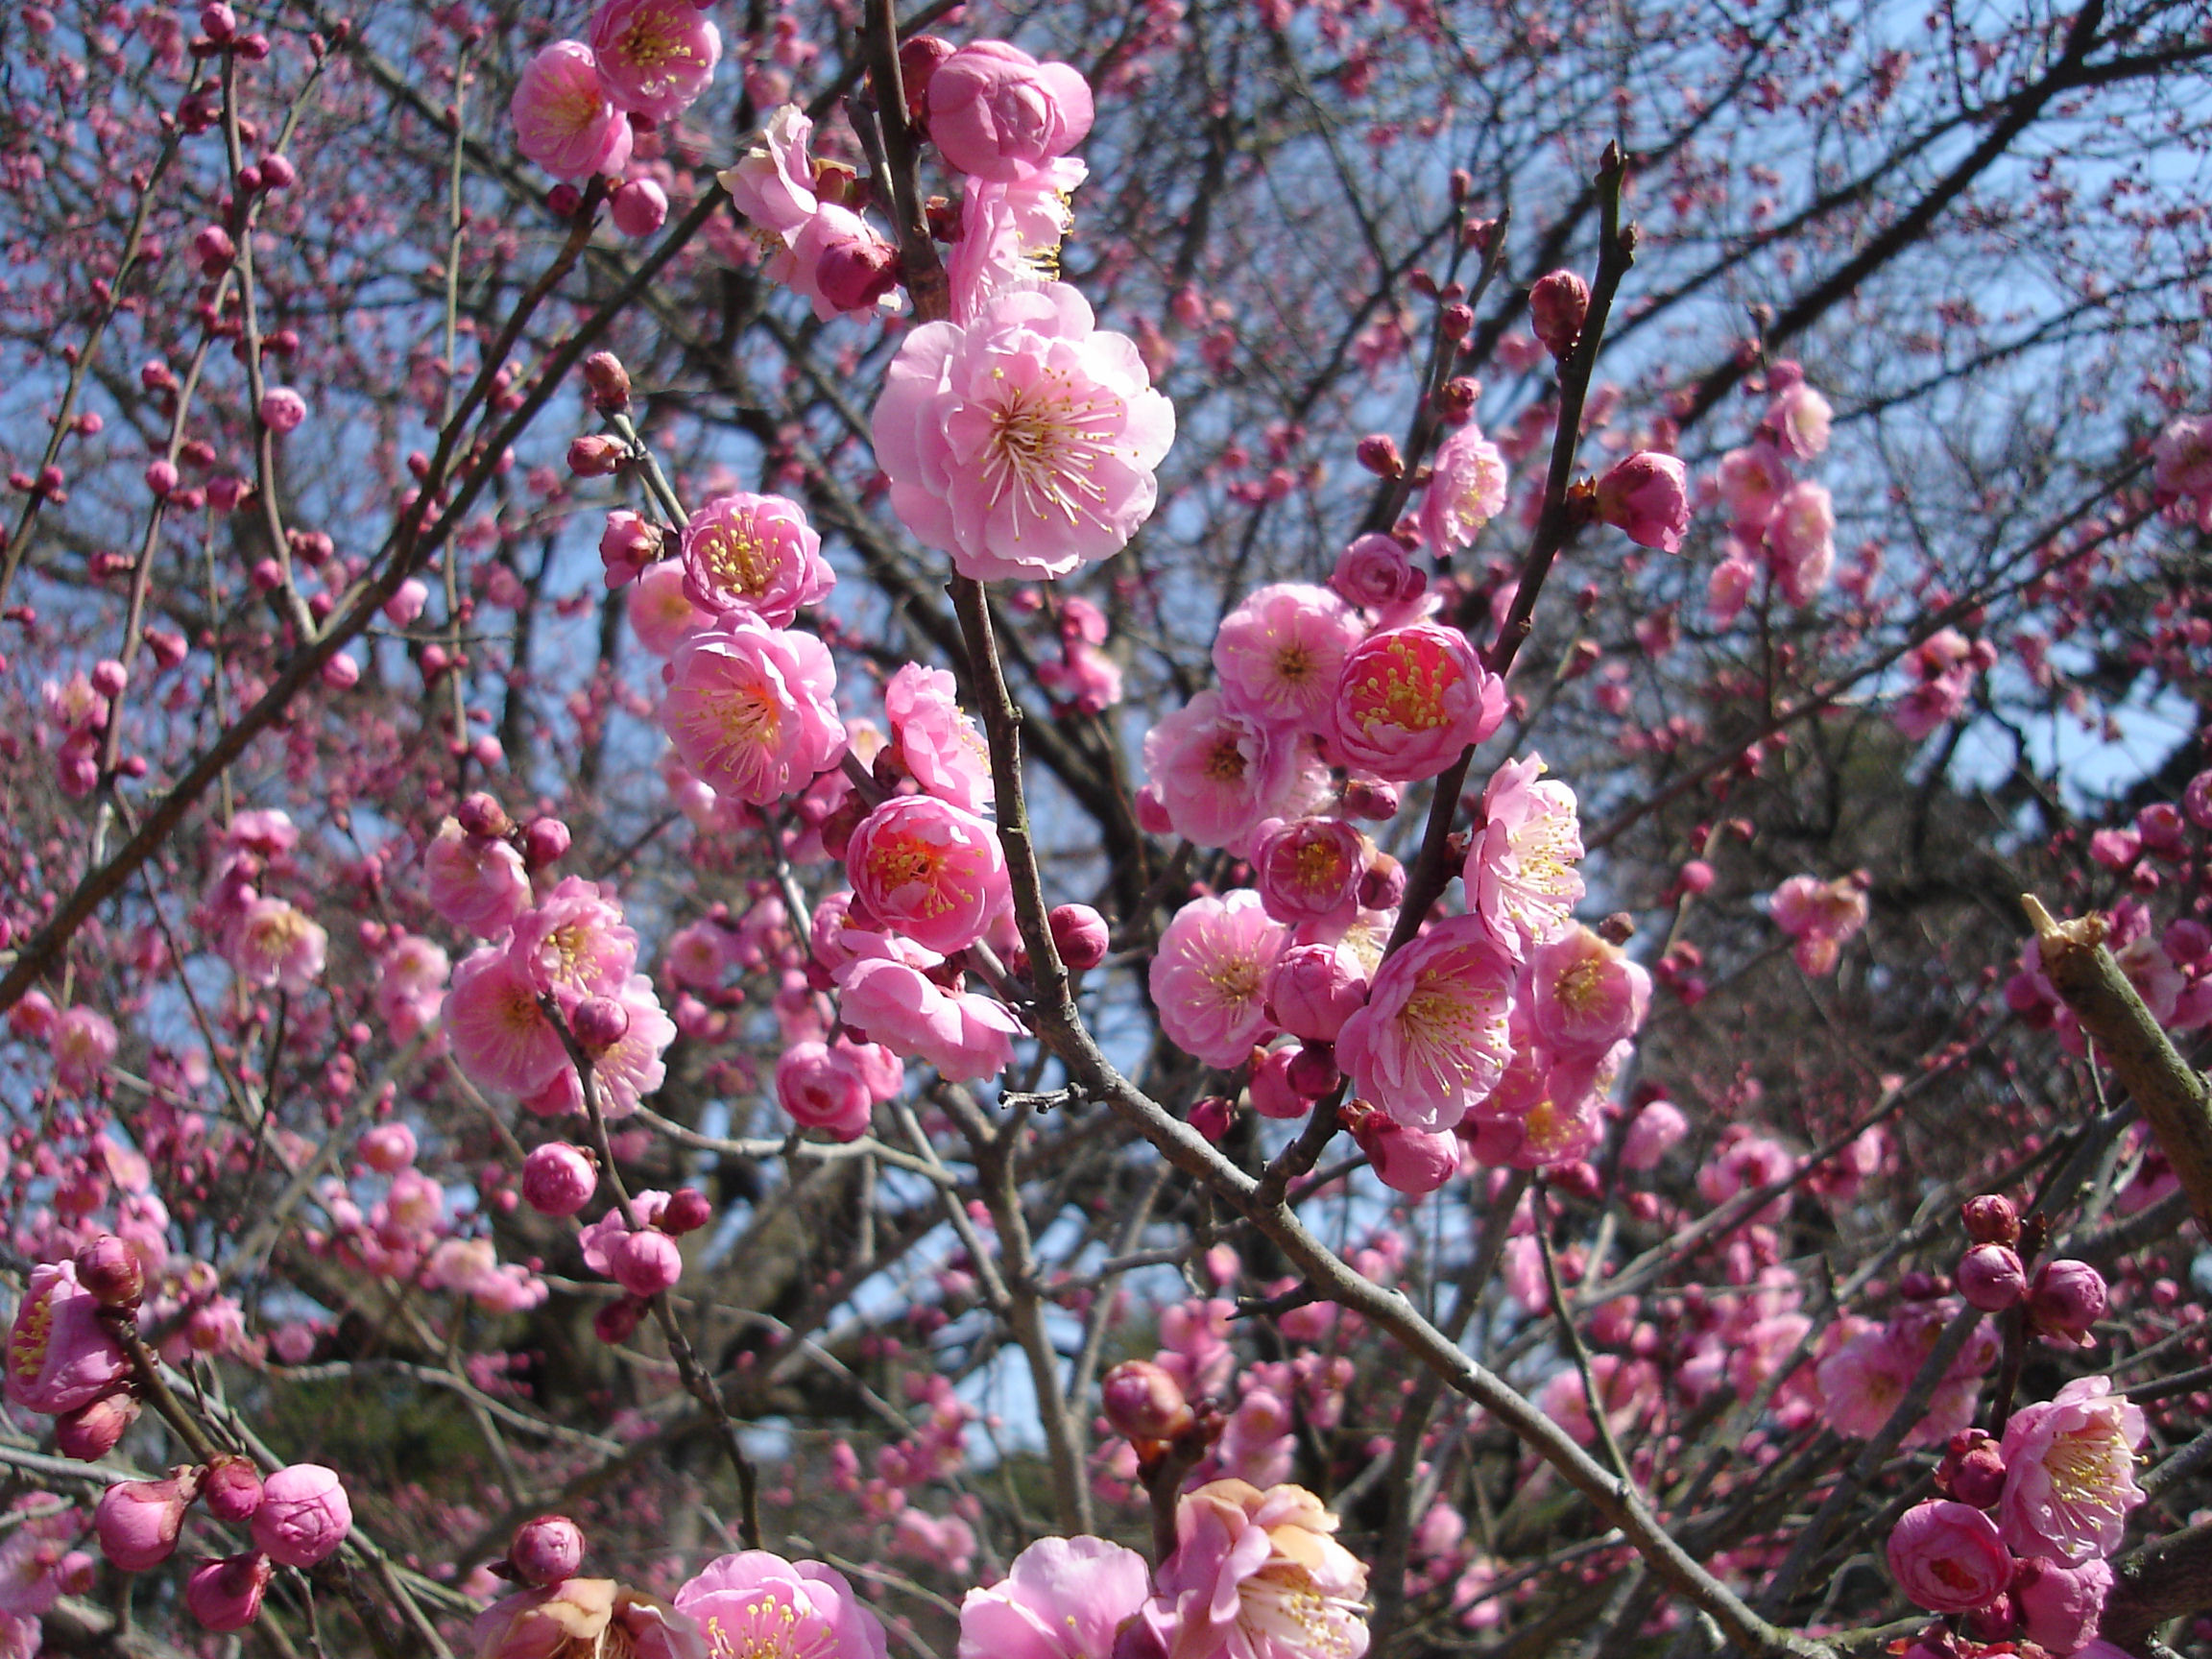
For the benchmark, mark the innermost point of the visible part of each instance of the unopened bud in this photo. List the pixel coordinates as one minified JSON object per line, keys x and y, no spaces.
{"x":557,"y":1179}
{"x":481,"y":814}
{"x":1377,"y":452}
{"x":617,"y":1320}
{"x":1557,"y":304}
{"x":92,"y":1430}
{"x":600,"y":1023}
{"x":1080,"y":934}
{"x":1211,"y":1116}
{"x":686,"y":1212}
{"x":230,"y":1487}
{"x":1990,"y":1219}
{"x":226,"y":1595}
{"x":1383,"y":884}
{"x":919,"y":56}
{"x":1973,"y":1469}
{"x":111,"y":1270}
{"x":609,"y":382}
{"x":545,"y":841}
{"x":1313,"y":1069}
{"x":1142,"y":1401}
{"x":1991,"y":1277}
{"x":595,"y":456}
{"x":546,"y":1550}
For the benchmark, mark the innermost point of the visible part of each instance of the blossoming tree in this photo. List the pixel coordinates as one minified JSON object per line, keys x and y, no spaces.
{"x":1154,"y":832}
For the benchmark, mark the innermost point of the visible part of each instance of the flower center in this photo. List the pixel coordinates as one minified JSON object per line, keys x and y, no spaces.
{"x":1225,"y":761}
{"x":27,"y":1346}
{"x":2080,"y":1468}
{"x":899,"y":862}
{"x":651,"y":42}
{"x":736,"y":557}
{"x":1406,"y":686}
{"x":738,"y":722}
{"x":1046,"y":437}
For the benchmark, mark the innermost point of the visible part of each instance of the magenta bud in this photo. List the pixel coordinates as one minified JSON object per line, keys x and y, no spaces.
{"x":1080,"y":934}
{"x":1557,"y":304}
{"x":1990,"y":1219}
{"x":479,"y":814}
{"x":230,"y":1487}
{"x":111,"y":1270}
{"x":646,"y":1262}
{"x":218,"y":22}
{"x":1141,"y":1402}
{"x":546,"y":1550}
{"x":616,"y":1320}
{"x":919,"y":56}
{"x":109,"y":676}
{"x":161,"y":477}
{"x":226,"y":1595}
{"x":1211,"y":1116}
{"x":388,"y":1148}
{"x":545,"y":842}
{"x":609,"y":382}
{"x":137,"y":1521}
{"x":92,"y":1430}
{"x":2065,"y":1300}
{"x":687,"y":1211}
{"x":1313,"y":1069}
{"x":557,"y":1179}
{"x":277,"y":173}
{"x":1973,"y":1469}
{"x":1270,"y":1089}
{"x":1383,"y":884}
{"x":1991,"y":1277}
{"x":595,"y":456}
{"x":1377,"y":452}
{"x":1371,"y":799}
{"x":600,"y":1023}
{"x":639,"y":207}
{"x":855,"y":271}
{"x":304,"y":1514}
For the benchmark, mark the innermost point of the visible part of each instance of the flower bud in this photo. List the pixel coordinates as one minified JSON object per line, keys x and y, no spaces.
{"x":282,"y":409}
{"x":1377,"y":452}
{"x":557,"y":1179}
{"x":686,"y":1212}
{"x":1409,"y":1161}
{"x":595,"y":456}
{"x":218,"y":22}
{"x":1313,"y":1069}
{"x":388,"y":1148}
{"x":1371,"y":799}
{"x":546,"y":1550}
{"x":1973,"y":1469}
{"x":608,"y":382}
{"x":1080,"y":934}
{"x":1990,"y":1219}
{"x":2065,"y":1300}
{"x":277,"y":173}
{"x":230,"y":1487}
{"x":1646,"y":497}
{"x":304,"y":1514}
{"x":1991,"y":1277}
{"x":1312,"y":989}
{"x":919,"y":56}
{"x":1272,"y":1095}
{"x":91,"y":1432}
{"x":137,"y":1521}
{"x":479,"y":814}
{"x":111,"y":1270}
{"x":1383,"y":884}
{"x":855,"y":271}
{"x":1141,"y":1402}
{"x":616,"y":1320}
{"x":646,"y":1262}
{"x":1211,"y":1116}
{"x":639,"y":207}
{"x":226,"y":1595}
{"x":545,"y":842}
{"x":600,"y":1023}
{"x":2060,"y":1606}
{"x":1557,"y":304}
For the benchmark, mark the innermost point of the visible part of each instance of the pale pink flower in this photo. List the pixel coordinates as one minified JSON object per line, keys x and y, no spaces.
{"x":1010,"y":233}
{"x":752,"y":710}
{"x":563,"y":119}
{"x":1211,"y":973}
{"x":1646,"y":497}
{"x":1313,"y":989}
{"x":1751,"y":483}
{"x":1281,"y":653}
{"x":1466,"y":490}
{"x":588,"y":1619}
{"x":474,"y":882}
{"x":1798,"y":421}
{"x":1257,"y":1575}
{"x":1219,"y":773}
{"x":660,"y":611}
{"x":500,"y":1036}
{"x":82,"y":1042}
{"x":1947,"y":1557}
{"x":964,"y":1036}
{"x":928,"y":870}
{"x":2070,"y":1472}
{"x":32,"y":1561}
{"x":773,"y":182}
{"x":2181,"y":457}
{"x":757,"y":1605}
{"x":410,"y":984}
{"x":1085,"y":678}
{"x":937,"y":743}
{"x":1063,"y":1599}
{"x":1543,"y":1112}
{"x":1310,"y":869}
{"x":1654,"y":1132}
{"x":1801,"y":542}
{"x":1820,"y":916}
{"x":1520,"y":873}
{"x":1412,"y":699}
{"x":59,"y":1353}
{"x":820,"y":1090}
{"x":753,"y":552}
{"x":996,"y":112}
{"x":1433,"y":1039}
{"x":1584,"y":994}
{"x":1729,"y":586}
{"x":574,"y":943}
{"x":655,"y":57}
{"x":1024,"y":443}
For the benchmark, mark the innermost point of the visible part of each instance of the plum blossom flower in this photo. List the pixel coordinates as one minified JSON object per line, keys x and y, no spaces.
{"x":474,"y":882}
{"x":998,"y":114}
{"x":1433,"y":1039}
{"x":624,"y":1072}
{"x":1022,"y":443}
{"x":823,"y":1091}
{"x":655,"y":57}
{"x":888,"y":996}
{"x":562,"y":118}
{"x":575,"y":943}
{"x":82,"y":1042}
{"x":2070,"y":1472}
{"x":1801,"y":542}
{"x":1466,"y":490}
{"x":1010,"y":233}
{"x":1218,"y":772}
{"x":1281,"y":653}
{"x":757,"y":1605}
{"x":1751,"y":483}
{"x":1584,"y":994}
{"x":753,"y":552}
{"x":586,"y":1618}
{"x":1820,"y":916}
{"x":1256,"y":1575}
{"x":933,"y":872}
{"x":1210,"y":975}
{"x":410,"y":984}
{"x":1520,"y":873}
{"x":937,"y":743}
{"x":1947,"y":1557}
{"x":1062,"y":1599}
{"x":1798,"y":421}
{"x":773,"y":182}
{"x":1412,"y":699}
{"x":499,"y":1036}
{"x":1310,"y":869}
{"x":59,"y":1353}
{"x":1646,"y":497}
{"x":2060,"y":1606}
{"x":752,"y":710}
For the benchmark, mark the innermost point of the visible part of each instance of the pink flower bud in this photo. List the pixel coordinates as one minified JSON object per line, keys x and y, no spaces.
{"x":1948,"y":1557}
{"x":1080,"y":934}
{"x":137,"y":1521}
{"x":1272,"y":1095}
{"x":2066,"y":1299}
{"x":2060,"y":1606}
{"x":1370,"y":798}
{"x":1141,"y":1402}
{"x":1990,"y":1219}
{"x":852,"y":272}
{"x":304,"y":1514}
{"x":545,"y":842}
{"x":388,"y":1148}
{"x":231,"y":1488}
{"x":1991,"y":1277}
{"x":407,"y":603}
{"x":600,"y":1023}
{"x":609,"y":383}
{"x":686,"y":1211}
{"x":226,"y":1595}
{"x":1211,"y":1116}
{"x":1973,"y":1469}
{"x":161,"y":477}
{"x":1313,"y":1069}
{"x":595,"y":456}
{"x":282,"y":409}
{"x":617,"y":1320}
{"x":212,"y":246}
{"x":646,"y":1262}
{"x":1413,"y":1161}
{"x":546,"y":1550}
{"x":919,"y":56}
{"x":481,"y":814}
{"x":1375,"y":572}
{"x":277,"y":173}
{"x":1557,"y":304}
{"x":218,"y":22}
{"x":639,"y":207}
{"x":1312,"y":989}
{"x":91,"y":1432}
{"x":1383,"y":884}
{"x":110,"y":1271}
{"x":1377,"y":452}
{"x":557,"y":1179}
{"x":1646,"y":497}
{"x":997,"y":112}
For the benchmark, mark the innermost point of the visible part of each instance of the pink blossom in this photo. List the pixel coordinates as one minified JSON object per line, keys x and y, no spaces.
{"x":2061,"y":1607}
{"x":1729,"y":586}
{"x":498,"y":1035}
{"x":1947,"y":1557}
{"x":1281,"y":653}
{"x":661,"y":613}
{"x":474,"y":882}
{"x":1466,"y":490}
{"x":1375,"y":574}
{"x":1312,"y":989}
{"x":935,"y":742}
{"x":59,"y":1353}
{"x":655,"y":57}
{"x":82,"y":1042}
{"x":820,"y":1090}
{"x":1584,"y":994}
{"x":1520,"y":873}
{"x":996,"y":112}
{"x":839,"y":263}
{"x":594,"y":1616}
{"x":1063,"y":1599}
{"x":410,"y":984}
{"x":760,"y":1606}
{"x":1085,"y":678}
{"x":563,"y":119}
{"x":1010,"y":230}
{"x":1219,"y":773}
{"x":933,"y":872}
{"x":754,"y":553}
{"x":1411,"y":700}
{"x":1209,"y":974}
{"x":1543,"y":1112}
{"x":1654,"y":1132}
{"x":1310,"y":869}
{"x":1257,"y":1575}
{"x":624,"y":1072}
{"x":1751,"y":483}
{"x":773,"y":182}
{"x":1798,"y":420}
{"x":752,"y":710}
{"x":2070,"y":1472}
{"x":966,"y":1037}
{"x":138,"y":1520}
{"x":1646,"y":497}
{"x":276,"y":944}
{"x":574,"y":943}
{"x":1801,"y":542}
{"x":1022,"y":443}
{"x":2181,"y":457}
{"x":1432,"y":1040}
